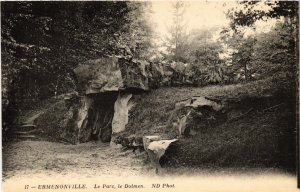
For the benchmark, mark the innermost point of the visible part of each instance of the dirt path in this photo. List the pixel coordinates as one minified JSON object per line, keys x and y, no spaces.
{"x":43,"y":162}
{"x":27,"y":158}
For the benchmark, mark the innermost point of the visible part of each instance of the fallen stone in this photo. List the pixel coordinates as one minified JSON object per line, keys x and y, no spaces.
{"x":197,"y":113}
{"x":159,"y":147}
{"x":198,"y":101}
{"x":148,"y":139}
{"x":156,"y":149}
{"x":131,"y":142}
{"x":112,"y":144}
{"x":181,"y":124}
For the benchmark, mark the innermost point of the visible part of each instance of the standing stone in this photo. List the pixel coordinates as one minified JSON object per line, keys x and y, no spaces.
{"x":121,"y":108}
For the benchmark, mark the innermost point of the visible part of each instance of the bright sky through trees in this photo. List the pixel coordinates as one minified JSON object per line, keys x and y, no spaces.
{"x":199,"y":14}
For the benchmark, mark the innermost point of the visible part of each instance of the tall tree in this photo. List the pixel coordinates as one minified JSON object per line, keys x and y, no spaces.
{"x":277,"y":43}
{"x":250,"y":12}
{"x":274,"y":52}
{"x":203,"y":52}
{"x":136,"y":35}
{"x":175,"y":41}
{"x":42,"y":42}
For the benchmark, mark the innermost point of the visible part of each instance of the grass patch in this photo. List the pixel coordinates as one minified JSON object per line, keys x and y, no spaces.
{"x":262,"y":138}
{"x":258,"y":140}
{"x":153,"y":110}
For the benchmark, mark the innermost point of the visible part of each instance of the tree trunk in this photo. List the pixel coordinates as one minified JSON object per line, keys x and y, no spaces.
{"x":246,"y":72}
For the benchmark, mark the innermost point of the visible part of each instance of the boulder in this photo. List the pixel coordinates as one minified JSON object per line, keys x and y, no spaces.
{"x":134,"y":76}
{"x":111,"y":74}
{"x":196,"y":113}
{"x":181,"y":124}
{"x":199,"y":101}
{"x":159,"y":147}
{"x":156,"y":149}
{"x":129,"y":141}
{"x":148,"y":139}
{"x":155,"y":72}
{"x":98,"y":76}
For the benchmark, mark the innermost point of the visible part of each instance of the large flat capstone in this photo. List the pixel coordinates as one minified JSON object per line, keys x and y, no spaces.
{"x":111,"y":74}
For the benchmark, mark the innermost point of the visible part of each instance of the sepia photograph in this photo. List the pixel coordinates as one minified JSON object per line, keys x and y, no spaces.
{"x":150,"y":96}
